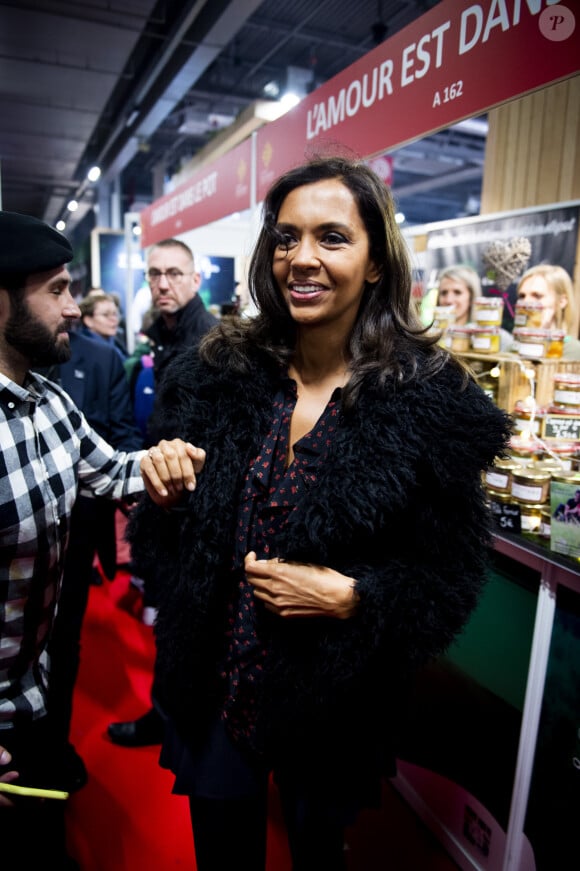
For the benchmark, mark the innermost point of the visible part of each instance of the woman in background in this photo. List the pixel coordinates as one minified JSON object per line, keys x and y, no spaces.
{"x":337,"y":536}
{"x":460,"y":286}
{"x":100,"y":318}
{"x":552,"y":287}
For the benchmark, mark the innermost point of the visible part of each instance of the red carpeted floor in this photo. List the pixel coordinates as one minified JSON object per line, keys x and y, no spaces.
{"x":126,"y":819}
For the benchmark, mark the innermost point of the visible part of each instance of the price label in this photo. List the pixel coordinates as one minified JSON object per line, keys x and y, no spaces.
{"x":560,"y":426}
{"x":507,"y":516}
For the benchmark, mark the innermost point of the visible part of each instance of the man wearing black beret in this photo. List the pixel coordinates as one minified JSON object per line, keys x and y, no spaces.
{"x":48,"y":454}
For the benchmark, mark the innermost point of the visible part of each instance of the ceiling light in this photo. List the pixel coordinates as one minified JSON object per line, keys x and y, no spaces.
{"x":72,"y":206}
{"x":289,"y":100}
{"x":271,"y":89}
{"x":94,"y":173}
{"x":60,"y":225}
{"x":400,"y":218}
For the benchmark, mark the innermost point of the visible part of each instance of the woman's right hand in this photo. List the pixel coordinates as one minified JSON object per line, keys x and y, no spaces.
{"x":7,"y":777}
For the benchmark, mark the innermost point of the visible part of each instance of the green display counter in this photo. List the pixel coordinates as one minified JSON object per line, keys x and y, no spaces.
{"x":490,"y":748}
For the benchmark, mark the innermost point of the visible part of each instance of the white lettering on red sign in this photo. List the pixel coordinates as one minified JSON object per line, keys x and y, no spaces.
{"x":191,"y":195}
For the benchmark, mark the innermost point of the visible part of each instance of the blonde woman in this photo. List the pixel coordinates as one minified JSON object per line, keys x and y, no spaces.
{"x":551,"y":286}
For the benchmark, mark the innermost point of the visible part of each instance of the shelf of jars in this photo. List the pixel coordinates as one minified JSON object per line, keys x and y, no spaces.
{"x":535,"y":489}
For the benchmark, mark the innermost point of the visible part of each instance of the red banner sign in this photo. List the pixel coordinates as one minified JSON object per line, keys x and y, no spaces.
{"x":219,"y":188}
{"x":456,"y":61}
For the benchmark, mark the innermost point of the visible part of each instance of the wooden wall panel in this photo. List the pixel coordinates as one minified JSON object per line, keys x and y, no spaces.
{"x":532,"y":155}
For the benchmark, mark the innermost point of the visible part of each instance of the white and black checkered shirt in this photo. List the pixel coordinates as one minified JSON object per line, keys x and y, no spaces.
{"x":48,"y":454}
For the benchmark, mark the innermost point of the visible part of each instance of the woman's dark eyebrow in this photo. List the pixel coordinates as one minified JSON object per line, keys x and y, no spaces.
{"x":329,"y":225}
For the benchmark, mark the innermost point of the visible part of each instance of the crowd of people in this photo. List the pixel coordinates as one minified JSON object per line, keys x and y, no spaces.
{"x":305,"y":510}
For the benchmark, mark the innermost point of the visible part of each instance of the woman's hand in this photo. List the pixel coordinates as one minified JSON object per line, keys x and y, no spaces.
{"x":169,"y":468}
{"x":7,"y":777}
{"x":301,"y":590}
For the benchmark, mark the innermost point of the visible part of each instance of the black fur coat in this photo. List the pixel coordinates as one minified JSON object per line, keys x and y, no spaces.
{"x":398,"y":505}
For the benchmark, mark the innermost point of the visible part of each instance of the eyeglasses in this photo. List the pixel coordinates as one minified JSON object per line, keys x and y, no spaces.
{"x":173,"y":276}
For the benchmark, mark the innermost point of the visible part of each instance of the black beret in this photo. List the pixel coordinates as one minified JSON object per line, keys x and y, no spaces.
{"x":28,"y":245}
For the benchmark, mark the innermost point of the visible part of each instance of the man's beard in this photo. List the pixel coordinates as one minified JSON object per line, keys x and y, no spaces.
{"x":27,"y":335}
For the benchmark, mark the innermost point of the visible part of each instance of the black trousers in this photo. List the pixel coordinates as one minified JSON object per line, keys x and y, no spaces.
{"x":232,"y":834}
{"x":32,"y":833}
{"x":92,"y":531}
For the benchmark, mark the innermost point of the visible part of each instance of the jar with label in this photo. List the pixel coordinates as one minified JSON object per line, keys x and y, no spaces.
{"x":551,"y":465}
{"x":528,"y":314}
{"x":531,"y":486}
{"x":443,"y":317}
{"x":539,"y":343}
{"x":564,"y":450}
{"x":526,"y":420}
{"x":498,"y":478}
{"x":458,"y":339}
{"x":488,"y":311}
{"x":525,"y":450}
{"x":567,"y":391}
{"x":531,"y":517}
{"x":485,"y":340}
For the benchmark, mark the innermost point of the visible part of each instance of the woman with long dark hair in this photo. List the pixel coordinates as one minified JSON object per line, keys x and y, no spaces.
{"x":337,"y":536}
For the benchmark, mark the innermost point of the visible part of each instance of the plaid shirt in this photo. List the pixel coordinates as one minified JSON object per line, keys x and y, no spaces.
{"x":48,"y":454}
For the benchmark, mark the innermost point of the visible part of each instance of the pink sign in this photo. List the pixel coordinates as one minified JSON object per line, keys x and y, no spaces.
{"x":219,"y":188}
{"x":456,"y":61}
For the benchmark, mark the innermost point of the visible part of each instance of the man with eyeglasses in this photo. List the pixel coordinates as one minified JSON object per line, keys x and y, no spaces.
{"x":181,"y":322}
{"x":183,"y":319}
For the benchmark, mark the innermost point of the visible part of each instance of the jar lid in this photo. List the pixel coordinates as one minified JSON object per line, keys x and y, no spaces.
{"x":505,"y":464}
{"x":489,"y":301}
{"x":521,"y":408}
{"x":459,"y":331}
{"x":524,"y":444}
{"x":529,"y":333}
{"x":500,"y":496}
{"x":530,"y":506}
{"x":567,"y":478}
{"x":530,"y":474}
{"x":563,"y":446}
{"x":535,"y":306}
{"x":444,"y":309}
{"x":562,"y":411}
{"x":568,"y":378}
{"x":489,"y":331}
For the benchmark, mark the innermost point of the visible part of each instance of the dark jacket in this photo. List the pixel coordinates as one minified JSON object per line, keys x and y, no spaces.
{"x":95,"y":379}
{"x":192,"y":322}
{"x":398,"y":505}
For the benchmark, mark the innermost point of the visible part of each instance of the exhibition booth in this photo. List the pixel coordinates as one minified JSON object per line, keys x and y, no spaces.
{"x":491,"y":753}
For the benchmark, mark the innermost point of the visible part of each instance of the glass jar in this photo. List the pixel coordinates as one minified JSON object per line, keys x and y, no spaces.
{"x":531,"y":517}
{"x":488,"y":311}
{"x":443,"y":316}
{"x":528,"y":314}
{"x":551,"y":465}
{"x":565,"y":451}
{"x":498,"y":477}
{"x":458,"y":339}
{"x":525,"y":450}
{"x":567,"y":390}
{"x":527,"y":421}
{"x":485,"y":340}
{"x":539,"y":343}
{"x":531,"y":486}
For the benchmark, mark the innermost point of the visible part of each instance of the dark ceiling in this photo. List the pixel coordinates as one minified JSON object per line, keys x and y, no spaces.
{"x":138,"y":87}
